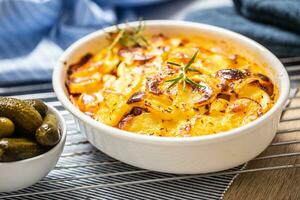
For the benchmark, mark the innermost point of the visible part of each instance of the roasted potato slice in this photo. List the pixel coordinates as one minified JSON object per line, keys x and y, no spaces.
{"x":211,"y":63}
{"x":243,"y":111}
{"x":146,"y":122}
{"x":85,"y":84}
{"x":257,"y":94}
{"x":218,"y":106}
{"x":89,"y":103}
{"x":112,"y":109}
{"x":206,"y":125}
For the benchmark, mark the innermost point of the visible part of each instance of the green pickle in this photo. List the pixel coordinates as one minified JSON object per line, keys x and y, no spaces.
{"x":48,"y":133}
{"x":26,"y":118}
{"x":7,"y":127}
{"x":39,"y":105}
{"x":26,"y":129}
{"x":14,"y":149}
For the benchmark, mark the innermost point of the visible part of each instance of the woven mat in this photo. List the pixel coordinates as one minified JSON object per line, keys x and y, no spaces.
{"x":84,"y":172}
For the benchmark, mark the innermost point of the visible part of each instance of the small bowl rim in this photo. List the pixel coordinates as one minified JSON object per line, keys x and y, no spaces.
{"x":53,"y":149}
{"x":58,"y":86}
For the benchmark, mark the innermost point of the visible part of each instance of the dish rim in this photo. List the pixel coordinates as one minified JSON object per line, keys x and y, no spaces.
{"x":53,"y":149}
{"x":277,"y":66}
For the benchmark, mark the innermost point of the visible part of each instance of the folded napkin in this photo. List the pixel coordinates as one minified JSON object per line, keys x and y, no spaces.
{"x":284,"y":13}
{"x":273,"y":23}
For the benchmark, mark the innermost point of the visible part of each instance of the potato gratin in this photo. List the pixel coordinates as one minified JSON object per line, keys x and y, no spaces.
{"x":169,"y":86}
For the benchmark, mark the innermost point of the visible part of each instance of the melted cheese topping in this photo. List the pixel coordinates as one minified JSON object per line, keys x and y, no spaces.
{"x":129,"y":88}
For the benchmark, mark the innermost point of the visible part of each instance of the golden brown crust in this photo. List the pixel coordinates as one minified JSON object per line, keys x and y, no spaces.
{"x":173,"y":86}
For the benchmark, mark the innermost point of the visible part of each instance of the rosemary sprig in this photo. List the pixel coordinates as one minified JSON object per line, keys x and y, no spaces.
{"x":172,"y":63}
{"x":188,"y":65}
{"x":129,"y":37}
{"x":193,"y":69}
{"x":175,"y":80}
{"x":116,"y":39}
{"x":183,"y":74}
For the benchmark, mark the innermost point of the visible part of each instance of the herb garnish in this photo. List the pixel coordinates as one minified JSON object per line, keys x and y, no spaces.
{"x":183,"y":75}
{"x":172,"y":63}
{"x":129,"y":36}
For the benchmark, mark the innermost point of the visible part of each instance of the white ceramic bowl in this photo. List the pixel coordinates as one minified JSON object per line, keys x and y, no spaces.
{"x":24,"y":173}
{"x":200,"y":154}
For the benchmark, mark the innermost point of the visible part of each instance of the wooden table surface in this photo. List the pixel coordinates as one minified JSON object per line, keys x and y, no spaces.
{"x":275,"y":184}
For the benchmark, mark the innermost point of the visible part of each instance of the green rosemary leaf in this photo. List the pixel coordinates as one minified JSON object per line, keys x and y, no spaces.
{"x":144,"y":40}
{"x":191,"y":61}
{"x":172,"y":63}
{"x":117,"y":38}
{"x":175,"y":79}
{"x":129,"y":36}
{"x":191,"y":82}
{"x":183,"y":74}
{"x":132,"y":39}
{"x":172,"y":84}
{"x":140,"y":27}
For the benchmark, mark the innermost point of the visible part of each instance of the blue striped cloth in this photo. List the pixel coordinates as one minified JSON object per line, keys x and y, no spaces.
{"x":33,"y":33}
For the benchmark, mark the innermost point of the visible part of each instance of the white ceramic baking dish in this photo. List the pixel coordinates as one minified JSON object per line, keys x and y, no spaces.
{"x":191,"y":155}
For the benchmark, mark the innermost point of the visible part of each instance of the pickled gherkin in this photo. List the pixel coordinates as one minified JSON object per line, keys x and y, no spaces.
{"x":27,"y":129}
{"x":7,"y":127}
{"x":24,"y":116}
{"x":14,"y":149}
{"x":39,"y":105}
{"x":48,"y":133}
